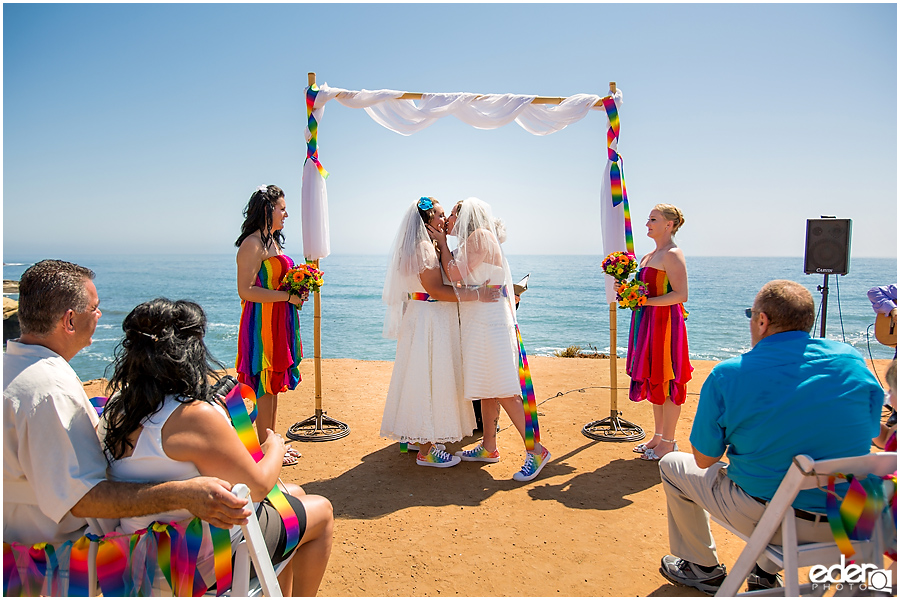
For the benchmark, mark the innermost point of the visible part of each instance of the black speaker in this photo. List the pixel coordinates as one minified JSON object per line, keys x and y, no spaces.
{"x":827,"y":246}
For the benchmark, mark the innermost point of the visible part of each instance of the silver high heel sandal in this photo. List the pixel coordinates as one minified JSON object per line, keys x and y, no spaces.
{"x":641,"y":448}
{"x":651,"y":454}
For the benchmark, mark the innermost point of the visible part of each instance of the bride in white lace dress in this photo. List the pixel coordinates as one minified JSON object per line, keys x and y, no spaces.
{"x":489,"y":343}
{"x":424,"y":403}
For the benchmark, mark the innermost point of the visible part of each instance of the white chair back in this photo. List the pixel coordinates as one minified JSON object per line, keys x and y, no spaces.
{"x":804,"y":473}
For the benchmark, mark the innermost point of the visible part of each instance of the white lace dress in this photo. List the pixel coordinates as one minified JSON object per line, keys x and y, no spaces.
{"x":424,"y":401}
{"x":489,"y":345}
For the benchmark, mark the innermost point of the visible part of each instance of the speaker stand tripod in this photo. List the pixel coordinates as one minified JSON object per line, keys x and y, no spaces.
{"x":824,"y":289}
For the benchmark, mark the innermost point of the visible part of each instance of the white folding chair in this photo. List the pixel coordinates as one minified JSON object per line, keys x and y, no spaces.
{"x":804,"y":473}
{"x":252,"y":549}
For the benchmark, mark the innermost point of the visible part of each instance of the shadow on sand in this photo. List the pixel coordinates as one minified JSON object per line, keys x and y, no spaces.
{"x":387,"y":482}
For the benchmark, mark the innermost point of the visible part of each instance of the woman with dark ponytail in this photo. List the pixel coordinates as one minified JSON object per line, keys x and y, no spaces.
{"x":269,"y":348}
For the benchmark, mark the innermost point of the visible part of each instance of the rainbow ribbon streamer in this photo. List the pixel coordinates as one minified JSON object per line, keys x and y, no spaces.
{"x":312,"y":146}
{"x":12,"y":584}
{"x":79,"y":577}
{"x":532,"y":430}
{"x":617,"y":173}
{"x":99,"y":403}
{"x":858,"y":513}
{"x":890,"y":491}
{"x":421,"y":296}
{"x":244,"y":427}
{"x":529,"y":404}
{"x":126,"y":563}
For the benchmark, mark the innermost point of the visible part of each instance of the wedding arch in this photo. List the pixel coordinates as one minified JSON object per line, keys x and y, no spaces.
{"x":407,"y":113}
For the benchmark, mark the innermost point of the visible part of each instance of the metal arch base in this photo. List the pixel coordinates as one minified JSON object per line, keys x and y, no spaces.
{"x":613,"y":429}
{"x":318,"y":428}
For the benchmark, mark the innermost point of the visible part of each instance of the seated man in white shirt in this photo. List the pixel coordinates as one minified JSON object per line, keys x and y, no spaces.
{"x":54,"y":471}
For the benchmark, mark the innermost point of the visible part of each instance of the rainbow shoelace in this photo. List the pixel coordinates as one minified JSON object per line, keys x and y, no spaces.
{"x":435,"y":456}
{"x":479,"y":452}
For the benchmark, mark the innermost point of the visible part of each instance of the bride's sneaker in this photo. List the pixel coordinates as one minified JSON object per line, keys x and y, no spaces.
{"x":479,"y":454}
{"x":533,"y":465}
{"x":415,"y":447}
{"x":437,"y":458}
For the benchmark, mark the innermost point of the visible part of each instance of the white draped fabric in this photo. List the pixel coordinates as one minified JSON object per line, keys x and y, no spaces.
{"x":406,"y":117}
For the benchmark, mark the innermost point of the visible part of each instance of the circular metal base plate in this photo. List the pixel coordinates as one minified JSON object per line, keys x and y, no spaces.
{"x":318,"y":428}
{"x":613,"y":429}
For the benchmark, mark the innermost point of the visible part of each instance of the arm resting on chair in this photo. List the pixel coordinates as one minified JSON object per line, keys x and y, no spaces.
{"x":206,"y":497}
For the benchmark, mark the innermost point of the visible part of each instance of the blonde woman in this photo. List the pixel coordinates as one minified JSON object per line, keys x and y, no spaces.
{"x":658,"y":361}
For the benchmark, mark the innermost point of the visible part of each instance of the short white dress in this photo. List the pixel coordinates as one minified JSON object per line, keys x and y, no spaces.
{"x":424,"y":400}
{"x":489,"y":345}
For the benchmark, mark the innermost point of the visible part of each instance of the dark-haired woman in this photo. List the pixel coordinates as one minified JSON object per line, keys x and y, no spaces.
{"x":269,"y":348}
{"x":161,"y":424}
{"x":424,"y":403}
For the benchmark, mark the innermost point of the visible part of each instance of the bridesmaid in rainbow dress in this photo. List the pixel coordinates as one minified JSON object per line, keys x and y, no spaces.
{"x":658,"y":361}
{"x":269,"y":348}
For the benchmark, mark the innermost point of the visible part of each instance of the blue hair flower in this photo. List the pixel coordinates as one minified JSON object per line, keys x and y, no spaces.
{"x":425,"y":203}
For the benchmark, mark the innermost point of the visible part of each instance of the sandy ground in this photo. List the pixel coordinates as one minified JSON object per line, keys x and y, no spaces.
{"x":592,"y":524}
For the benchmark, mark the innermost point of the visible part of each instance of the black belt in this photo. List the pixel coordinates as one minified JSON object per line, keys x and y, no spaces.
{"x":800,"y":514}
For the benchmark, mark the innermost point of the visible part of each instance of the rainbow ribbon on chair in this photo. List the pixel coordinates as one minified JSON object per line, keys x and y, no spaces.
{"x":312,"y":146}
{"x":126,"y":563}
{"x":617,"y":173}
{"x":856,"y":516}
{"x":244,"y":427}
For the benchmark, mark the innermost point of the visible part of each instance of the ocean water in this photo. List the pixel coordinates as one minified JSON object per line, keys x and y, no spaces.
{"x":564,"y":306}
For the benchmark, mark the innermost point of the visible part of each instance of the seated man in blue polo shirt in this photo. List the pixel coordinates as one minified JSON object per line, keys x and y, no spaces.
{"x":790,"y":394}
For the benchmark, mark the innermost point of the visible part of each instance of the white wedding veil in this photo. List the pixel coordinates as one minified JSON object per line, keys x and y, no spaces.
{"x":479,"y":255}
{"x":411,"y":253}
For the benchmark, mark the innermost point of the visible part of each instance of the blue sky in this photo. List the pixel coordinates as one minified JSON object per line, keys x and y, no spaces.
{"x":144,"y":128}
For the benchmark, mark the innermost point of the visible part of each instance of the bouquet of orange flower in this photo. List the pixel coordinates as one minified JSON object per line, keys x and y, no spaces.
{"x":302,"y":279}
{"x":620,"y":265}
{"x":632,"y":294}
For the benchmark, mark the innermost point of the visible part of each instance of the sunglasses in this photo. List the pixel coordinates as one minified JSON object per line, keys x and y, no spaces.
{"x":749,"y":312}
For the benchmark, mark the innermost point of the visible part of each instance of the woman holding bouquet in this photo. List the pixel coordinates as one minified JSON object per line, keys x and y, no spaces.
{"x":424,"y":403}
{"x":658,"y":361}
{"x":269,"y":348}
{"x":489,"y":339}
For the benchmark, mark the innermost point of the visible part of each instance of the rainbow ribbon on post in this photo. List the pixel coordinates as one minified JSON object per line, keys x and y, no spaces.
{"x":312,"y":146}
{"x":617,"y":173}
{"x":244,"y":427}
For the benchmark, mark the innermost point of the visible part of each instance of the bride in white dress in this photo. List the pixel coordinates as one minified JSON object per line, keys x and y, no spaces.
{"x":489,"y":343}
{"x":424,"y":403}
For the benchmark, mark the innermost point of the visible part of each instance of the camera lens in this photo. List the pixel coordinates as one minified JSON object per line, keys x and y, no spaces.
{"x":223,"y":386}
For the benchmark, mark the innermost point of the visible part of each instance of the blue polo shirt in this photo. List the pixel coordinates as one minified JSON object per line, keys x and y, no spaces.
{"x":791,"y":394}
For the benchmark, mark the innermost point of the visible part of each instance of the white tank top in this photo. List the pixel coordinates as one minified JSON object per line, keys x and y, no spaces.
{"x":149,"y":463}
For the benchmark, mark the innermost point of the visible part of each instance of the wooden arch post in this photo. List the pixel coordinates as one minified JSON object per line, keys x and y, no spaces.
{"x":613,"y":428}
{"x":319,"y":427}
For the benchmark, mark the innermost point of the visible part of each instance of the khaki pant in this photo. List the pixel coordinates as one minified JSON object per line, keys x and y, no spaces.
{"x":692,"y":494}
